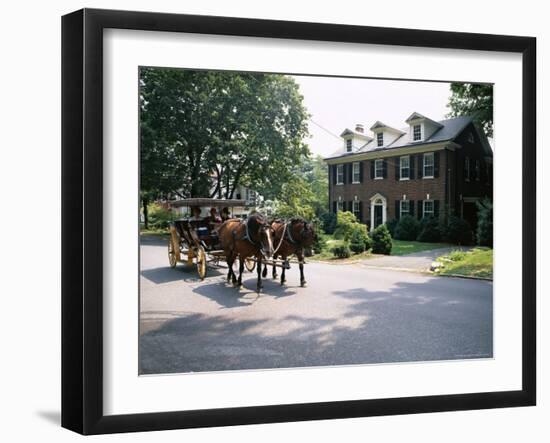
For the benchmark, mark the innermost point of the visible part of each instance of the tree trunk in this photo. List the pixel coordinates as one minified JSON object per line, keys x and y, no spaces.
{"x":145,"y":202}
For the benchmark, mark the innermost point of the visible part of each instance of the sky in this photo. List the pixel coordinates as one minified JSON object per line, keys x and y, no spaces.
{"x":339,"y":103}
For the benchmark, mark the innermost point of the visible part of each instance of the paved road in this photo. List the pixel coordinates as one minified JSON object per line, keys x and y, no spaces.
{"x":418,"y":261}
{"x":348,"y":314}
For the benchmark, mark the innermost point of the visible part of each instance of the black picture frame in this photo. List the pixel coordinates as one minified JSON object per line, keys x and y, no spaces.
{"x":82,"y":259}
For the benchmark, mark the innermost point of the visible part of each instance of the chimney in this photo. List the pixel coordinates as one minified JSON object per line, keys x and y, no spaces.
{"x":359,"y":128}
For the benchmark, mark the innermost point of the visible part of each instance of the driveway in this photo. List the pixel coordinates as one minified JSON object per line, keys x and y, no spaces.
{"x":348,"y":314}
{"x":417,"y":262}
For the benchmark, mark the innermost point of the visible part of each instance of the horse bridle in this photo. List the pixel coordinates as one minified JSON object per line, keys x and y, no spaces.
{"x":289,"y":234}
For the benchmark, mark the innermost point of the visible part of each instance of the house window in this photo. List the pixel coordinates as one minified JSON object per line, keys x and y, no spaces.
{"x":404,"y":167}
{"x":340,"y":174}
{"x":477,"y":170}
{"x":349,"y":145}
{"x":356,"y":172}
{"x":470,"y":138}
{"x":340,"y":205}
{"x":379,"y":169}
{"x":467,"y":169}
{"x":428,"y":208}
{"x":404,"y":208}
{"x":251,"y":196}
{"x":417,"y":133}
{"x":429,"y":165}
{"x":380,"y":139}
{"x":356,"y":206}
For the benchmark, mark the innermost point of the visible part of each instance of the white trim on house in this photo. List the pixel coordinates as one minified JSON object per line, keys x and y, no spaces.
{"x":401,"y":167}
{"x":424,"y":165}
{"x":378,"y":200}
{"x":432,"y":212}
{"x":358,"y":172}
{"x":339,"y":170}
{"x":376,"y":169}
{"x":392,"y":152}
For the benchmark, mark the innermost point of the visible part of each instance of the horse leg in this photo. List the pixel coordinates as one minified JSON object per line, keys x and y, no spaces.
{"x":259,"y":283}
{"x":264,"y":273}
{"x":241,"y":269}
{"x":283,"y":272}
{"x":274,"y":271}
{"x":229,"y":266}
{"x":300,"y":256}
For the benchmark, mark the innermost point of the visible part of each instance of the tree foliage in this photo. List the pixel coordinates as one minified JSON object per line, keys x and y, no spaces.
{"x":226,"y":127}
{"x":484,"y":231}
{"x":475,"y":100}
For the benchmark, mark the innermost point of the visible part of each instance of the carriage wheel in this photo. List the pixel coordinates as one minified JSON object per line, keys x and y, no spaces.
{"x":249,"y":264}
{"x":201,"y":262}
{"x":172,"y":257}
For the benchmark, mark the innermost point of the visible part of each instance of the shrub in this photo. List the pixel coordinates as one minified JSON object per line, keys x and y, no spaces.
{"x":407,"y":228}
{"x":484,"y":231}
{"x":320,"y":242}
{"x":381,"y":240}
{"x":159,"y":217}
{"x":429,"y":230}
{"x":391,"y":224}
{"x":344,"y":225}
{"x":359,"y":240}
{"x":458,"y":231}
{"x":456,"y":255}
{"x":341,"y":251}
{"x":328,"y":220}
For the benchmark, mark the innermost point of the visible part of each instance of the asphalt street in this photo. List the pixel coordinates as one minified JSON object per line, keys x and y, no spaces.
{"x":348,"y":314}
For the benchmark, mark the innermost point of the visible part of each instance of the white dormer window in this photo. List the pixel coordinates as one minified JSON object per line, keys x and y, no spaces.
{"x":417,"y":133}
{"x":380,"y":139}
{"x":349,"y":145}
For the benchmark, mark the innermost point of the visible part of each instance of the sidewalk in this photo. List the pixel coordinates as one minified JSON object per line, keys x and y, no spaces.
{"x":416,"y":262}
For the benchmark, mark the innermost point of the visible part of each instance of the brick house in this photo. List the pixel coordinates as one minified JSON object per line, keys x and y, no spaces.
{"x":428,"y":168}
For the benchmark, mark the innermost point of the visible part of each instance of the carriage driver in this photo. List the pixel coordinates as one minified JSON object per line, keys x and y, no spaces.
{"x":225,"y":213}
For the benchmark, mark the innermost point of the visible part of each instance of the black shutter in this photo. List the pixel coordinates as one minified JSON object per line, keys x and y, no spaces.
{"x":483,"y":171}
{"x":385,"y":168}
{"x":436,"y":164}
{"x":411,"y":167}
{"x":420,"y":165}
{"x":411,"y":208}
{"x":334,"y":167}
{"x":436,"y":208}
{"x":345,"y":170}
{"x":360,"y":211}
{"x":419,"y":209}
{"x":397,"y":209}
{"x":334,"y":207}
{"x":372,"y":169}
{"x":350,"y":207}
{"x":361,"y":166}
{"x":350,"y":173}
{"x":397,"y":171}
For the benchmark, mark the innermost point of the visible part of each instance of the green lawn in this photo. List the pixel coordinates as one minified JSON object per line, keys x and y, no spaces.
{"x":477,"y":262}
{"x":402,"y":247}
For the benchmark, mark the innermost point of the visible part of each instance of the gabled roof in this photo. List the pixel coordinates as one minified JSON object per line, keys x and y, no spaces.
{"x":379,"y":125}
{"x":449,"y":130}
{"x":348,"y":131}
{"x":418,"y":116}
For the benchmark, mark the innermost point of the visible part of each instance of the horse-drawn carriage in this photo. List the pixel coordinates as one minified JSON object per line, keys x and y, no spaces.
{"x":194,"y":239}
{"x":198,"y":240}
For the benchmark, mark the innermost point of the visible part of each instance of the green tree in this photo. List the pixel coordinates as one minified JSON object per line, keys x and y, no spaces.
{"x":295,"y":199}
{"x":475,"y":100}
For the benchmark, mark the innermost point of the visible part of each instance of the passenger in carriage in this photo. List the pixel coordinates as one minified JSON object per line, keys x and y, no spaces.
{"x":214,"y":218}
{"x":225,"y":214}
{"x":196,"y":213}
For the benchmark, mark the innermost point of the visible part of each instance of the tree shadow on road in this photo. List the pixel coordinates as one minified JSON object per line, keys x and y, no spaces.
{"x":412,"y":321}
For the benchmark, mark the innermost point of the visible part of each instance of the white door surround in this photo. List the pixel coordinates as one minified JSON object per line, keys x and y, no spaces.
{"x":378,"y":200}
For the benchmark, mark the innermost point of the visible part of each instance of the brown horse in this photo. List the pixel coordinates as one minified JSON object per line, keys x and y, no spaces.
{"x":291,"y":237}
{"x":243,"y":239}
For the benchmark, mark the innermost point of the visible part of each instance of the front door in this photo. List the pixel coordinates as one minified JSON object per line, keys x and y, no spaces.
{"x":378,"y":218}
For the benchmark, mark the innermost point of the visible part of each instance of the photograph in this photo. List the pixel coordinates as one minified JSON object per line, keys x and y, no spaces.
{"x":298,"y":221}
